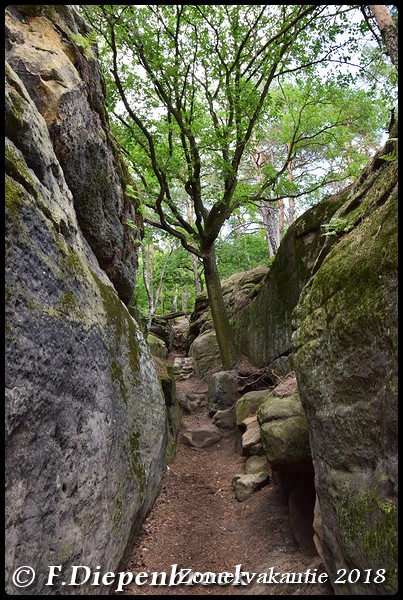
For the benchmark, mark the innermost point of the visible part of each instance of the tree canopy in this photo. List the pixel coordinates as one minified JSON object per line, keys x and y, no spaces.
{"x":199,"y":94}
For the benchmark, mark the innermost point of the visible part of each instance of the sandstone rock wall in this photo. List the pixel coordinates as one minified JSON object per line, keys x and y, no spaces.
{"x":346,"y":365}
{"x":85,"y":415}
{"x":263,"y":328}
{"x":45,"y":47}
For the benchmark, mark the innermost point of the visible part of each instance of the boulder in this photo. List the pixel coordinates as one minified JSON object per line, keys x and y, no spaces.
{"x":202,"y":436}
{"x":222,"y":391}
{"x":85,"y":416}
{"x":157,"y":346}
{"x":346,"y":364}
{"x":162,"y":329}
{"x":263,"y":327}
{"x":286,"y":442}
{"x":251,"y":440}
{"x":274,"y":408}
{"x":248,"y":404}
{"x":205,"y":353}
{"x":225,"y":419}
{"x":256,"y":464}
{"x":238,"y":290}
{"x":284,"y":431}
{"x":245,"y":485}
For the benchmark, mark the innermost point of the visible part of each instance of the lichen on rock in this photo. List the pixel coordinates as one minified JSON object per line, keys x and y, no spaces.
{"x":85,"y":415}
{"x":346,"y":364}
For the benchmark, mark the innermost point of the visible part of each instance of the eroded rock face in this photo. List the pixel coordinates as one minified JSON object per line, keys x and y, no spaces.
{"x":263,"y":328}
{"x":85,"y":415}
{"x":44,"y":47}
{"x":238,"y":290}
{"x":346,"y":364}
{"x":205,"y":353}
{"x":284,"y":432}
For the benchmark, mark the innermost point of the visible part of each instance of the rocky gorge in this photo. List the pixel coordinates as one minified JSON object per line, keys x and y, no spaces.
{"x":92,"y":411}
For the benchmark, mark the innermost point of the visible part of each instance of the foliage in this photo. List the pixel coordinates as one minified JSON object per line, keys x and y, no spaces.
{"x":337,"y":226}
{"x":194,"y":91}
{"x":241,"y":253}
{"x":391,"y":156}
{"x":202,"y":79}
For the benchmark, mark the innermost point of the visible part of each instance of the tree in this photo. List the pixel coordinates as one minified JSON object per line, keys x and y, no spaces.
{"x":195,"y":82}
{"x":388,"y":29}
{"x":319,"y":139}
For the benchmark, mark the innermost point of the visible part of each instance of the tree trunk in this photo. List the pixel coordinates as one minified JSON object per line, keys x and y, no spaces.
{"x":175,"y":301}
{"x":196,"y":274}
{"x":185,"y":297}
{"x":270,"y":224}
{"x":147,"y":276}
{"x":281,"y":219}
{"x":194,"y":257}
{"x":291,"y":201}
{"x":157,"y":296}
{"x":291,"y":211}
{"x":388,"y":31}
{"x":228,"y":351}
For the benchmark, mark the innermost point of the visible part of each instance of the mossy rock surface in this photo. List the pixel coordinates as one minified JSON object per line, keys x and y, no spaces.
{"x":85,"y":453}
{"x":286,"y":441}
{"x":280,"y":408}
{"x":248,"y":404}
{"x":346,"y":364}
{"x":206,"y":353}
{"x":263,"y":327}
{"x":157,"y":346}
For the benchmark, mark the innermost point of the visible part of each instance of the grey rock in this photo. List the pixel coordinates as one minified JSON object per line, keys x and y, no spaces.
{"x":184,"y":402}
{"x":162,"y":329}
{"x":191,"y":402}
{"x":202,"y":436}
{"x":205,"y":353}
{"x":275,"y":408}
{"x":248,"y":404}
{"x":222,"y":391}
{"x":157,"y":346}
{"x":284,"y":429}
{"x":245,"y":485}
{"x":183,"y":368}
{"x":286,"y":442}
{"x":251,"y":439}
{"x":68,"y":91}
{"x":225,"y":419}
{"x":346,"y":364}
{"x":256,"y":464}
{"x":85,"y":453}
{"x":263,"y":327}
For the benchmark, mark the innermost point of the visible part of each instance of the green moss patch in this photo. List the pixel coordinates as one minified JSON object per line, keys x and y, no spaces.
{"x":122,"y":321}
{"x":13,"y":198}
{"x":136,"y":466}
{"x":367,"y":521}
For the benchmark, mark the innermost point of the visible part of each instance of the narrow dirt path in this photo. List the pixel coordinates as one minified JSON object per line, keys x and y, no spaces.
{"x":198,"y":524}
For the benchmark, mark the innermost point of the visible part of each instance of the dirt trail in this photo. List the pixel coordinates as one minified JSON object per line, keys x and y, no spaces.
{"x":198,"y":524}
